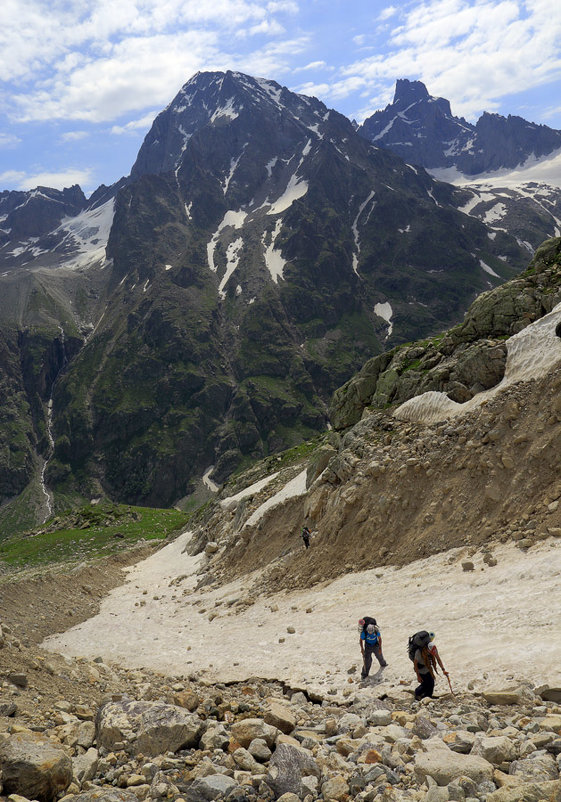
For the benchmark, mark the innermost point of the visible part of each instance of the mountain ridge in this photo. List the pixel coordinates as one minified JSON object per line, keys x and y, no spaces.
{"x":259,"y":254}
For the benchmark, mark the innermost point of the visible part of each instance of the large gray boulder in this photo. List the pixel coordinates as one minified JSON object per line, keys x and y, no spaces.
{"x":209,"y":788}
{"x":443,"y":765}
{"x":288,"y":766}
{"x":496,"y":749}
{"x":528,"y":792}
{"x":32,"y":767}
{"x":151,"y":728}
{"x":538,"y":767}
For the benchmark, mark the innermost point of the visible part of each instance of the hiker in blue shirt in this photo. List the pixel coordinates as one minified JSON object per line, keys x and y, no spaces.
{"x":370,"y":644}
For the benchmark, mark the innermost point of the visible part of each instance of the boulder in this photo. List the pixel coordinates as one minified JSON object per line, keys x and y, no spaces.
{"x":551,"y":695}
{"x":496,"y":749}
{"x":280,"y":716}
{"x":460,"y":741}
{"x":247,"y":729}
{"x":551,"y":723}
{"x":335,"y":788}
{"x":380,"y":718}
{"x":539,"y":767}
{"x":32,"y":767}
{"x":259,"y":749}
{"x":151,"y":728}
{"x":246,"y":762}
{"x":105,"y":794}
{"x":288,"y":766}
{"x":209,"y":788}
{"x":443,"y":765}
{"x":508,"y":696}
{"x":528,"y":792}
{"x":85,"y":766}
{"x":216,"y":737}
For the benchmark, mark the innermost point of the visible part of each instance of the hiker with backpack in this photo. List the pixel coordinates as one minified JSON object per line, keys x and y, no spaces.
{"x":370,"y":644}
{"x":424,"y":654}
{"x":306,"y":534}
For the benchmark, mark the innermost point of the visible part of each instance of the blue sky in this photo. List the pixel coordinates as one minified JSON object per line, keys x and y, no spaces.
{"x":81,"y":80}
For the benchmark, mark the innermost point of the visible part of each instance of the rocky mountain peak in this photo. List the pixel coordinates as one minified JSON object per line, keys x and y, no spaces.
{"x":407,"y":92}
{"x":430,"y":135}
{"x":226,"y":101}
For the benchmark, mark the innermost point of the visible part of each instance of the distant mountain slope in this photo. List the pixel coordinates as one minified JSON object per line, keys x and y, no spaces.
{"x":422,"y":130}
{"x":508,"y":168}
{"x":260,"y":252}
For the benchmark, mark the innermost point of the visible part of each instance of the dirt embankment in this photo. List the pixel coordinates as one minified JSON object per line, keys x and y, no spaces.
{"x":393,"y":496}
{"x":33,"y":607}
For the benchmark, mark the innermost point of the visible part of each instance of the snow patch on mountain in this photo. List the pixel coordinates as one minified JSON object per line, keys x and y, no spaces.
{"x":232,"y":501}
{"x":295,"y":189}
{"x":545,"y":170}
{"x":471,"y":612}
{"x":273,"y":257}
{"x":233,"y":252}
{"x":361,"y":208}
{"x":234,"y":219}
{"x":296,"y":487}
{"x":385,"y":311}
{"x":87,"y":234}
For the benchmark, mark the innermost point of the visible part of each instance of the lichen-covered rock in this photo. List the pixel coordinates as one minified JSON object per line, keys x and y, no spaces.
{"x":288,"y":766}
{"x":148,"y":727}
{"x":33,"y":767}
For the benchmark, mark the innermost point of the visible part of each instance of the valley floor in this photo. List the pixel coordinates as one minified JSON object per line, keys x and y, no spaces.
{"x":493,"y":624}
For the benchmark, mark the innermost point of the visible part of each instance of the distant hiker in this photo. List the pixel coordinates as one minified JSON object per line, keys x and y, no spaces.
{"x":306,"y":534}
{"x":424,"y":654}
{"x":370,"y":644}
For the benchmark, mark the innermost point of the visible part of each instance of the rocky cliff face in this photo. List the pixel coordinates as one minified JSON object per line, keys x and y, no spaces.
{"x":422,"y":130}
{"x":478,"y":158}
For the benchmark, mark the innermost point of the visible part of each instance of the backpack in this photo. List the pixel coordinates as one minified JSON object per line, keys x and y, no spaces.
{"x":417,"y":641}
{"x":363,"y":623}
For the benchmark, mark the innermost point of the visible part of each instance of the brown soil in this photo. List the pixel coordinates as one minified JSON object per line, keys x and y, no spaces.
{"x":43,"y":604}
{"x":491,"y":475}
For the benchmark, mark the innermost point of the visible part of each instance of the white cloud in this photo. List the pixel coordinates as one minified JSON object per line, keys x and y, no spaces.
{"x":472,"y":53}
{"x":313,"y":65}
{"x":74,"y":136}
{"x":9,"y":177}
{"x":56,"y":180}
{"x":8,"y":140}
{"x":94,"y":60}
{"x":386,"y":13}
{"x":134,"y":126}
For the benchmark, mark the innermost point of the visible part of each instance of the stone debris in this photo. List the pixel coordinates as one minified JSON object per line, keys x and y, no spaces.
{"x":258,"y":741}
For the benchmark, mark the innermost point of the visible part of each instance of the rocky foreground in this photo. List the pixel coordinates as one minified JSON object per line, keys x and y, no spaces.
{"x":81,"y":731}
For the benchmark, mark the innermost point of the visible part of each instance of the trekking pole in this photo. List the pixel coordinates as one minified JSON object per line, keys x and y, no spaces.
{"x":449,"y":683}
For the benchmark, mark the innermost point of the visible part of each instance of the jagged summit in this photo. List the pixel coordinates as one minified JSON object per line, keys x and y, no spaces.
{"x":407,"y":91}
{"x":422,"y":130}
{"x":215,"y":100}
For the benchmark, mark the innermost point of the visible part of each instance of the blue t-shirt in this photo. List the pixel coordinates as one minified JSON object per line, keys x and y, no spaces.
{"x":371,"y":639}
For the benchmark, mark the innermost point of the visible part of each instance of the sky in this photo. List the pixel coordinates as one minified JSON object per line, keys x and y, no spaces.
{"x":82,"y":80}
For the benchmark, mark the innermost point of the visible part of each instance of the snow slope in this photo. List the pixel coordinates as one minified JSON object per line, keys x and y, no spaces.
{"x":157,"y":620}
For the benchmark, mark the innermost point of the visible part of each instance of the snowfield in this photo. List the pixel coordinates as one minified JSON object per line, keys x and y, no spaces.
{"x":494,"y":625}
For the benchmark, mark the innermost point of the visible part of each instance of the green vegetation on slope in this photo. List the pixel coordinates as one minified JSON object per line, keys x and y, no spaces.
{"x":93,"y":531}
